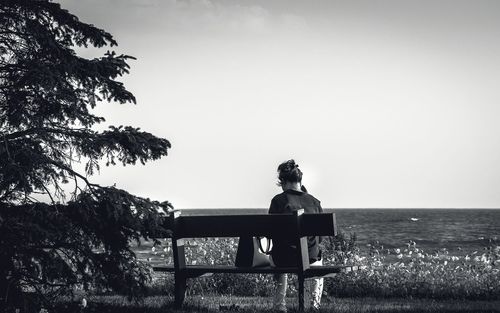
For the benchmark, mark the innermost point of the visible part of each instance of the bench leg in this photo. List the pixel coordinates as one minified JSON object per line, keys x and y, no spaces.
{"x":180,"y":290}
{"x":301,"y":292}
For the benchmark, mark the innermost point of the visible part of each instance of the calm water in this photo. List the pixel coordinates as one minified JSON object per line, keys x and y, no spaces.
{"x":462,"y":231}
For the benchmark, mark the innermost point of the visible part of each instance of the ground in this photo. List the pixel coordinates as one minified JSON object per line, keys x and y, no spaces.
{"x":209,"y":304}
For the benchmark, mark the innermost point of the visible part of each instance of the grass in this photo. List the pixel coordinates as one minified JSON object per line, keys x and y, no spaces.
{"x":213,"y":304}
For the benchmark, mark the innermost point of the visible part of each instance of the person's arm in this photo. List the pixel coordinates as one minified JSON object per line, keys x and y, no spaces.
{"x":320,"y":210}
{"x":277,"y":206}
{"x":272,"y":207}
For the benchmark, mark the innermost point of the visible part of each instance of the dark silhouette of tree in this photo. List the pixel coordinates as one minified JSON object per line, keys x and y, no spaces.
{"x":47,"y":93}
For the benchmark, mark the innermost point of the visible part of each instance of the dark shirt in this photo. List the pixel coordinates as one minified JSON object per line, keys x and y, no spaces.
{"x":284,"y":250}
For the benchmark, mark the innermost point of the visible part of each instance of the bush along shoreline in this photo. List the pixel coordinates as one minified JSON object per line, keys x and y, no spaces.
{"x":408,"y":271}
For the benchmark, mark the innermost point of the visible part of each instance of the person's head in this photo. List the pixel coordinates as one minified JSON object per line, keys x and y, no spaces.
{"x":289,"y":174}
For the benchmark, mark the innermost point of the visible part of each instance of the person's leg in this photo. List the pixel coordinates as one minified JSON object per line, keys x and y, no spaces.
{"x":281,"y":280}
{"x":314,"y":290}
{"x":280,"y":292}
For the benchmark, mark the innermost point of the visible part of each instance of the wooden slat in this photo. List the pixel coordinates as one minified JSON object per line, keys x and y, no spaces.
{"x":315,"y":271}
{"x":324,"y":271}
{"x":165,"y":268}
{"x":200,"y":269}
{"x":320,"y":224}
{"x":235,"y":225}
{"x":195,"y":271}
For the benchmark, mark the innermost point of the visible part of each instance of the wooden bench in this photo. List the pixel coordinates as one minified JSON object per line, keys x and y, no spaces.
{"x":297,"y":225}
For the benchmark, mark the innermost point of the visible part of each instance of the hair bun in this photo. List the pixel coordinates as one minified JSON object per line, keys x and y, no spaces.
{"x":291,"y":164}
{"x":289,"y":171}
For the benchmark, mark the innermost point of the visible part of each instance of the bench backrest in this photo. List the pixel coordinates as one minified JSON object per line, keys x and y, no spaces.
{"x":269,"y":225}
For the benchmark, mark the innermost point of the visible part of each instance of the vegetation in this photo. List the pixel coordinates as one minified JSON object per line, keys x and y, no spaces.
{"x":407,"y":272}
{"x":81,"y":238}
{"x":412,"y":272}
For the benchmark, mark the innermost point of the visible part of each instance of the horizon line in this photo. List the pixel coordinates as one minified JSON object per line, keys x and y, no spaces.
{"x":357,"y":208}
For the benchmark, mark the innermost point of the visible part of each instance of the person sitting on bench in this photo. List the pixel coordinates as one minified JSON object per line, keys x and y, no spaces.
{"x":284,"y":251}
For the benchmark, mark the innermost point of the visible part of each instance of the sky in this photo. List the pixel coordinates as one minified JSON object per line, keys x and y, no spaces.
{"x":382,"y":103}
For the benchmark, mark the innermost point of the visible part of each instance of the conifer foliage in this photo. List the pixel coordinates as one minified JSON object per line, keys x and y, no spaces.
{"x":47,"y":93}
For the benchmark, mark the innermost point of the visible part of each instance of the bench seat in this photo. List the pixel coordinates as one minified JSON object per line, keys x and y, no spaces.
{"x":192,"y":271}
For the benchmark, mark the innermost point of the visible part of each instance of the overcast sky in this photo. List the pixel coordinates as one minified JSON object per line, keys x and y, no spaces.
{"x":382,"y":103}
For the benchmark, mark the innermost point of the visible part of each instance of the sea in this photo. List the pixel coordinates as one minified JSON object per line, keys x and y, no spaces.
{"x":458,"y":231}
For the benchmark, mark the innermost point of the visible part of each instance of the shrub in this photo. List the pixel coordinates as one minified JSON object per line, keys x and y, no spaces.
{"x":401,"y":272}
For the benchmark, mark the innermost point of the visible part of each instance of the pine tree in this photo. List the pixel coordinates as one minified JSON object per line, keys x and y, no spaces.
{"x":47,"y":93}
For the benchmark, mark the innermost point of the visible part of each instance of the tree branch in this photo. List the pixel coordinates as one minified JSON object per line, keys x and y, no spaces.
{"x":72,"y":172}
